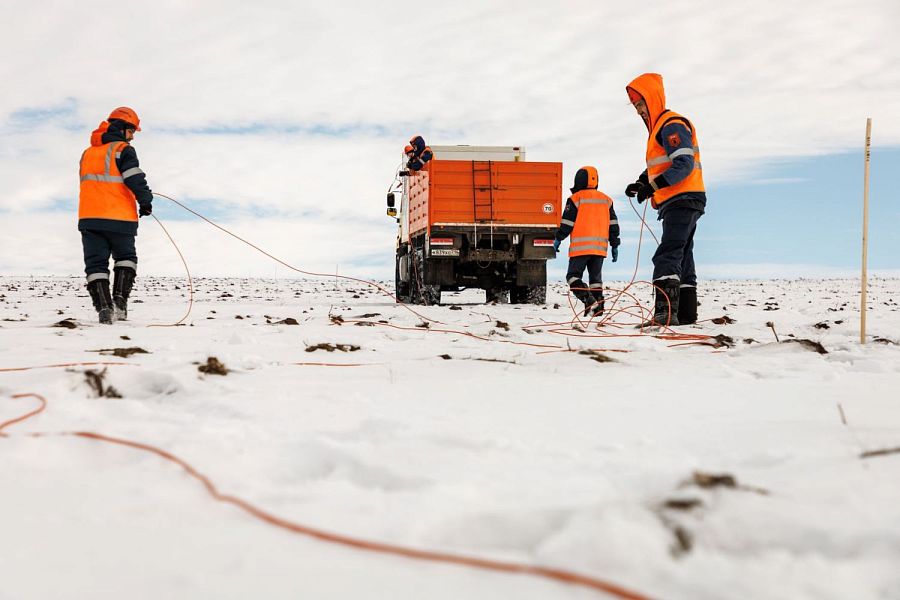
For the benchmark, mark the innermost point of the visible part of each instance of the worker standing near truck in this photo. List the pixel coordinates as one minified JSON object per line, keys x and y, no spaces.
{"x":673,"y":181}
{"x":589,"y":217}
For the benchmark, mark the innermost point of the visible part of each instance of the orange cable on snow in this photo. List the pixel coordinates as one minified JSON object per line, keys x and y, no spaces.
{"x":42,"y":405}
{"x":377,"y":286}
{"x":190,"y":280}
{"x":554,"y":574}
{"x":606,"y":320}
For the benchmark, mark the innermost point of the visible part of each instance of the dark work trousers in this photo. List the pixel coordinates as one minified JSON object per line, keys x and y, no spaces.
{"x":98,"y":245}
{"x":675,"y":254}
{"x":594,"y":264}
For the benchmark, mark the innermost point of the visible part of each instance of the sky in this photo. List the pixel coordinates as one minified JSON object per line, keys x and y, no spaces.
{"x":285,"y":121}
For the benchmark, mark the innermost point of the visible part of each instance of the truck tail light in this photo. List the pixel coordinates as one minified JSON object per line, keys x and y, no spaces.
{"x":447,"y":241}
{"x":541,"y":243}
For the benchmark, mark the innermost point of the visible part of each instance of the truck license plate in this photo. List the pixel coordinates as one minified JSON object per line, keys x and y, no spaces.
{"x":444,"y":252}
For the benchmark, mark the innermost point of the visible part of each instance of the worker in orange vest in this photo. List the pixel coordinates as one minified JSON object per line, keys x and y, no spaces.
{"x":589,"y":217}
{"x":113,"y":186}
{"x":417,"y":153}
{"x":673,"y":181}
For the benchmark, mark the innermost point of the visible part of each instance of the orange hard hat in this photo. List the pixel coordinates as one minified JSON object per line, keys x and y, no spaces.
{"x":407,"y":149}
{"x":123,"y":113}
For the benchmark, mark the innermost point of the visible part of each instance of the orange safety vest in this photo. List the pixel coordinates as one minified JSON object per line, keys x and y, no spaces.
{"x":104,"y":194}
{"x":590,"y":235}
{"x":658,"y":161}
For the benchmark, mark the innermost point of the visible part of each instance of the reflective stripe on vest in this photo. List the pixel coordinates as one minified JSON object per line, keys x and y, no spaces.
{"x":658,"y":161}
{"x":590,"y":234}
{"x":103,"y":193}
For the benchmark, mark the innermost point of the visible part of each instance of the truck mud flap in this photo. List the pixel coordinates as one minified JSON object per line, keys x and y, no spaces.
{"x":439,"y":272}
{"x":531,"y":272}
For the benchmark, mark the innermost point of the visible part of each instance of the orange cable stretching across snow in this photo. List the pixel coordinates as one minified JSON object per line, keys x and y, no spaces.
{"x":669,"y":334}
{"x":344,"y":540}
{"x":187,"y":270}
{"x":380,"y":288}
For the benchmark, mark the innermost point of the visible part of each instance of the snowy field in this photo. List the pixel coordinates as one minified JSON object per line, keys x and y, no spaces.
{"x":677,"y":472}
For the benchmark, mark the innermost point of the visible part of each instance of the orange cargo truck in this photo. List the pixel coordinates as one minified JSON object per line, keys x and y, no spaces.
{"x":476,"y":217}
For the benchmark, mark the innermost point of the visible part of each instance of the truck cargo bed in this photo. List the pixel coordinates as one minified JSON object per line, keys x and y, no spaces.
{"x":473,"y":192}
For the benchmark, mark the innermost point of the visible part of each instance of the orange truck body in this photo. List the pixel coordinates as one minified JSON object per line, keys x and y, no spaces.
{"x":476,"y":217}
{"x":505,"y":194}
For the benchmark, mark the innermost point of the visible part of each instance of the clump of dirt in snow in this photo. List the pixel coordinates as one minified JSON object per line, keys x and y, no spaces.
{"x":68,"y":323}
{"x":96,"y":381}
{"x":213,"y":367}
{"x":121,"y":352}
{"x":723,"y":320}
{"x":287,"y":321}
{"x":332,"y":347}
{"x":597,"y":356}
{"x":711,"y":480}
{"x":808,"y":344}
{"x":682,"y":503}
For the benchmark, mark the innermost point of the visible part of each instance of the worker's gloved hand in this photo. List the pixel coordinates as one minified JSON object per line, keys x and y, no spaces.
{"x":640,"y":189}
{"x":615,"y":253}
{"x":145,"y":210}
{"x":556,"y":244}
{"x":644,"y":192}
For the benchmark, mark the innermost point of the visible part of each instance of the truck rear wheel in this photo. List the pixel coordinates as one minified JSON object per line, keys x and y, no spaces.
{"x":421,"y":293}
{"x":528,"y":294}
{"x":497,"y":296}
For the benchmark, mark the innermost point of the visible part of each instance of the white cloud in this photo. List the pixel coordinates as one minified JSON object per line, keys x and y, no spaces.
{"x":762,"y":82}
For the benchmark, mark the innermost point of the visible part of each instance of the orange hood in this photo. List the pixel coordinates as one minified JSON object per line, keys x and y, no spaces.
{"x":97,"y":135}
{"x":650,"y":87}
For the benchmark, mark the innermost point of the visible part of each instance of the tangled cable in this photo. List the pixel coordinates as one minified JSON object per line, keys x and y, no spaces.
{"x":553,"y":574}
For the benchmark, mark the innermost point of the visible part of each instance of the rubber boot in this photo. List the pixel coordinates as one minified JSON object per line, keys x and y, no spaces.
{"x":122,"y":289}
{"x":598,"y":307}
{"x":665,"y":308}
{"x":687,"y":305}
{"x":580,"y":291}
{"x":99,"y":291}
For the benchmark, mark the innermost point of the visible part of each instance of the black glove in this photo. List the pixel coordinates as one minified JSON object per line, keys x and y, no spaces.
{"x":640,"y":189}
{"x":644,"y":192}
{"x":145,"y":209}
{"x":632,"y":189}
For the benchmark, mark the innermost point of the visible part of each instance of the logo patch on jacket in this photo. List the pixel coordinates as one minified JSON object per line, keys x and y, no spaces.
{"x":674,"y":140}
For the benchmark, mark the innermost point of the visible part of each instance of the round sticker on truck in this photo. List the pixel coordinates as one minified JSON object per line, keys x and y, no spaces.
{"x":547,"y":208}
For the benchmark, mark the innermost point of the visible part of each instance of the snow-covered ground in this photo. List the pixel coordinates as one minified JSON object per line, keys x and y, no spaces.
{"x":495,"y":450}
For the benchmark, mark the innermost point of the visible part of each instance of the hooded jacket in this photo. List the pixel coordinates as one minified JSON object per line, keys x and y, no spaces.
{"x":673,"y":154}
{"x":107,"y":197}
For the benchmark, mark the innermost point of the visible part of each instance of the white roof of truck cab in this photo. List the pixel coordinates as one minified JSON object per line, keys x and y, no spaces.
{"x":502,"y":153}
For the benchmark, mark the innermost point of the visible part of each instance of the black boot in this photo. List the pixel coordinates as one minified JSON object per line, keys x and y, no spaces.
{"x":99,"y":290}
{"x":580,"y":291}
{"x":665,"y":309}
{"x":598,"y":307}
{"x":122,"y":289}
{"x":687,"y":305}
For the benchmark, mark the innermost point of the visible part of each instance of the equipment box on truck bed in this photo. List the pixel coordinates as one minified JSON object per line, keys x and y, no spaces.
{"x":477,"y":217}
